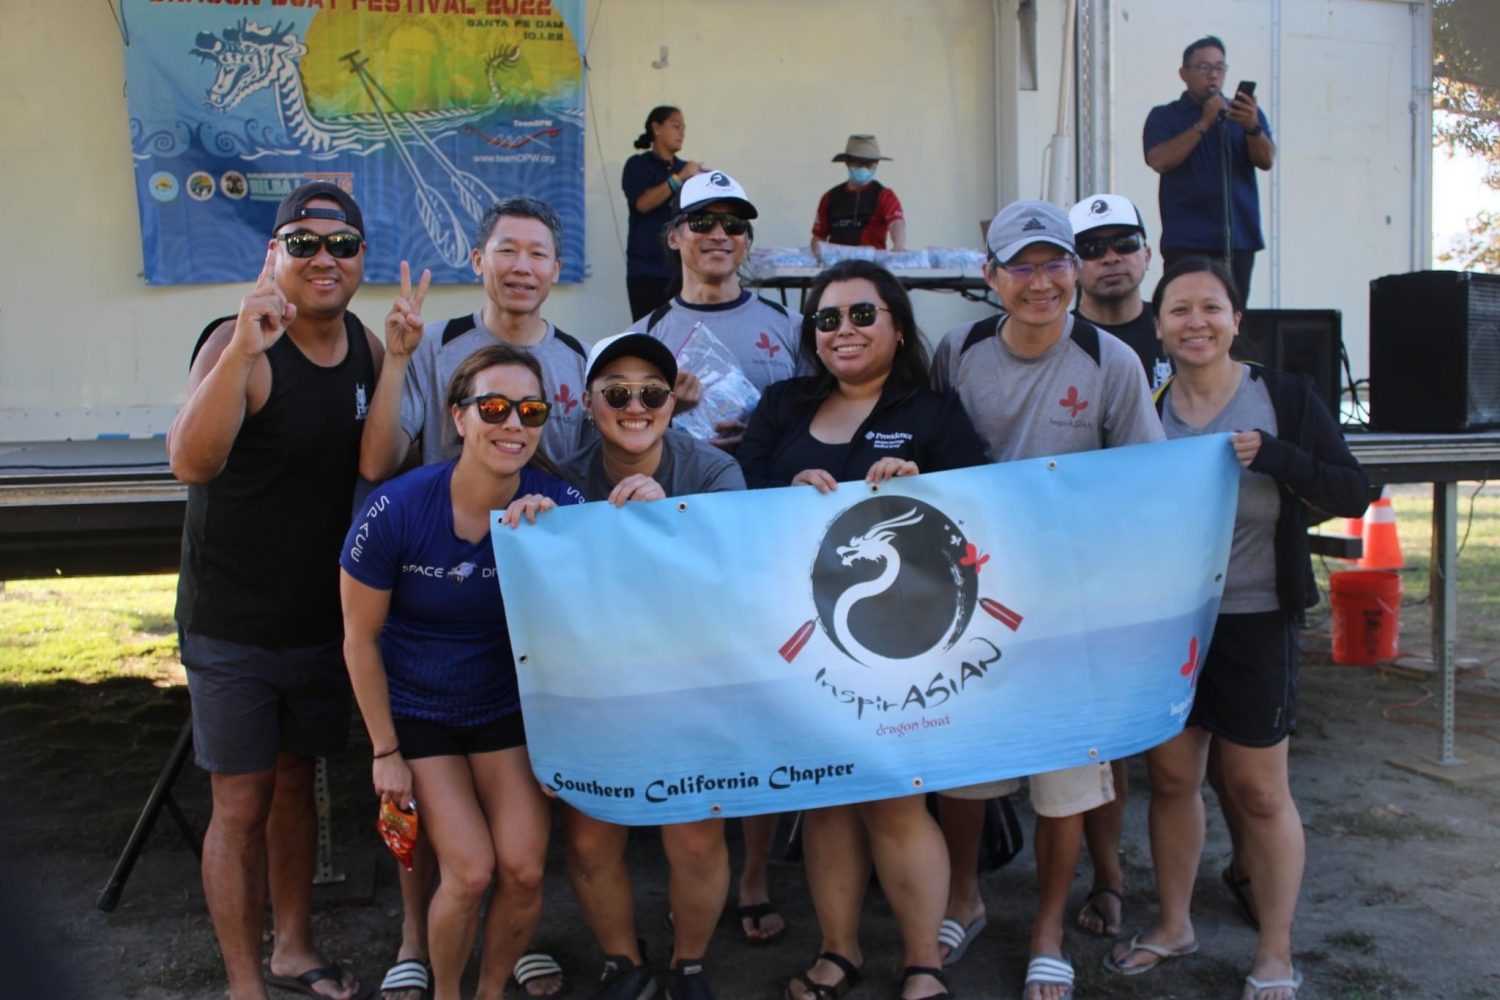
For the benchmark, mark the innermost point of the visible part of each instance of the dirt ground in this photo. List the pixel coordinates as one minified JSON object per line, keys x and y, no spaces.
{"x":1401,"y":899}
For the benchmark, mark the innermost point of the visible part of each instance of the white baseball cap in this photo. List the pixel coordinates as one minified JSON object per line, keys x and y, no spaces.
{"x":1100,"y":210}
{"x":703,"y":189}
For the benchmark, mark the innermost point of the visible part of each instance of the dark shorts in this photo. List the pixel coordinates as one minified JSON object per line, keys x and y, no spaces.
{"x":250,"y":703}
{"x":1247,"y":690}
{"x":425,"y":738}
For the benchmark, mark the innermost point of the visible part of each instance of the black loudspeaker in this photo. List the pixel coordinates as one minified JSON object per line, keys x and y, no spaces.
{"x":1305,"y":341}
{"x":1435,"y":352}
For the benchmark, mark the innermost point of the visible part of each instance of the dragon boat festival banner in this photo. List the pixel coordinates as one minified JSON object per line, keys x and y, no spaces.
{"x":427,"y":111}
{"x":740,"y":653}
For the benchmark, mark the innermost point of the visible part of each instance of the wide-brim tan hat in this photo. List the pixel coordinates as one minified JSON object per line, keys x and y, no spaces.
{"x":860,"y":147}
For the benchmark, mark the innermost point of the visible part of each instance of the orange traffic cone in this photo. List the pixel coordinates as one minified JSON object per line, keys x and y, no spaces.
{"x":1382,"y":547}
{"x":1354,"y":527}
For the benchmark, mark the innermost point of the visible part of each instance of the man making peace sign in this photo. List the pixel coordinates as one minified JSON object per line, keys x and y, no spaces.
{"x":268,"y":443}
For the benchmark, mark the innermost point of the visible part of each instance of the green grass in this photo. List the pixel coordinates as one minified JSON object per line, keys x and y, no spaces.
{"x":88,"y":629}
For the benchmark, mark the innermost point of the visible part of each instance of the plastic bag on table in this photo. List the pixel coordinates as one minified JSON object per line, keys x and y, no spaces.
{"x":727,"y":393}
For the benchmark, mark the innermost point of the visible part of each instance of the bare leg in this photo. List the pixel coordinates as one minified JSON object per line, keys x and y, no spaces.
{"x":698,"y":883}
{"x":962,"y":823}
{"x":759,"y":832}
{"x":453,"y":820}
{"x":1176,"y":826}
{"x":1274,"y":849}
{"x":601,"y":882}
{"x":416,"y":887}
{"x":1101,"y":831}
{"x":912,"y":860}
{"x":291,"y":849}
{"x":836,"y":855}
{"x":520,"y":819}
{"x":1058,"y":841}
{"x":234,"y":874}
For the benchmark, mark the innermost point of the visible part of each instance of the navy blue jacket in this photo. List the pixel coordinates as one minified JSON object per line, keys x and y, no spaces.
{"x":1313,"y":467}
{"x":909,"y":422}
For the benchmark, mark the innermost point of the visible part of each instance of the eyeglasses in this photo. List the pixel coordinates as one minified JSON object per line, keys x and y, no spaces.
{"x":861,"y":314}
{"x":704,"y":222}
{"x":495,"y":409}
{"x":652,"y":395}
{"x":1057,"y":267}
{"x":1094,"y":247}
{"x":1207,"y":68}
{"x":302,"y":243}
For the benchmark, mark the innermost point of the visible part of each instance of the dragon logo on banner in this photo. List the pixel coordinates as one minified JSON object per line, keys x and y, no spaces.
{"x":424,"y":117}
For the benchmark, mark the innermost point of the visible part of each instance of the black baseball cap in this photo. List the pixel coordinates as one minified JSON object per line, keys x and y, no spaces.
{"x":294,"y":206}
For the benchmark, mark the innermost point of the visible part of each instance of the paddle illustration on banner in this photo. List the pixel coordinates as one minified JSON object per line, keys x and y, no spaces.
{"x":740,"y":653}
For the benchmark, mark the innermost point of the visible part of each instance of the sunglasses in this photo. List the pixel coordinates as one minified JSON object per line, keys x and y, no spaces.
{"x":704,"y":222}
{"x":495,"y":409}
{"x":861,"y":314}
{"x":1094,"y":247}
{"x":619,"y":394}
{"x":305,"y":244}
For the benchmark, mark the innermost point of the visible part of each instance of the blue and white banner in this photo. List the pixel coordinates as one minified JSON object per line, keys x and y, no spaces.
{"x":742,"y":653}
{"x":427,"y":111}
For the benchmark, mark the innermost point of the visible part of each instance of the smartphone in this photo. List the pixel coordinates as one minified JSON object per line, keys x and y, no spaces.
{"x":1246,"y":87}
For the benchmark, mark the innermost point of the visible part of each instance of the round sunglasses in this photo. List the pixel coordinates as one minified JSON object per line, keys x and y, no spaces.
{"x":619,"y":394}
{"x":861,"y":314}
{"x":495,"y":409}
{"x":302,"y":243}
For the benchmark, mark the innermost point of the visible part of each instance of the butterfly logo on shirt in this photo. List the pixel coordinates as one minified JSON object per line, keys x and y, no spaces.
{"x":765,"y":344}
{"x":565,"y":399}
{"x":1072,"y":403}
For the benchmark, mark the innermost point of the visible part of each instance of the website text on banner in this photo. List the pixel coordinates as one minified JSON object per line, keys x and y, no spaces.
{"x":424,"y":112}
{"x":746,"y":653}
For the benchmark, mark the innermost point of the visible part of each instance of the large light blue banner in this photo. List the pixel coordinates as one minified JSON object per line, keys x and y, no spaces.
{"x":741,"y":653}
{"x":427,"y":111}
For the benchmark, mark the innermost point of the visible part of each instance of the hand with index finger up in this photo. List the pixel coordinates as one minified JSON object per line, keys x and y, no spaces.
{"x":264,"y":314}
{"x":403,"y":324}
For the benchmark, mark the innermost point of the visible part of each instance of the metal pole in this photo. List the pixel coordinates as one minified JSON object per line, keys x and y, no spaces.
{"x":1445,"y":604}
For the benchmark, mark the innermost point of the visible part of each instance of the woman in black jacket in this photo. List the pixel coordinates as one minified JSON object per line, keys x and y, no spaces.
{"x":867,"y":414}
{"x":1245,"y":706}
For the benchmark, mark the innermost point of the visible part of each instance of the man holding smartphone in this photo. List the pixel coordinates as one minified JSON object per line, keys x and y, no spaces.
{"x":1207,"y":149}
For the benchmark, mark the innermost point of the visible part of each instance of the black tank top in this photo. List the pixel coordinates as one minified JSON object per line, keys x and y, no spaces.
{"x":260,"y":543}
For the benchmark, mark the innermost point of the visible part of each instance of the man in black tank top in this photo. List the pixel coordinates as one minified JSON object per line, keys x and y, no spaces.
{"x":268,"y":443}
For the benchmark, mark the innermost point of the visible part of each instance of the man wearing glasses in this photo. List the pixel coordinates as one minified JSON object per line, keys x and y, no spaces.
{"x":268,"y":442}
{"x":1207,"y":149}
{"x":707,"y":241}
{"x":1038,"y":380}
{"x":1113,"y":256}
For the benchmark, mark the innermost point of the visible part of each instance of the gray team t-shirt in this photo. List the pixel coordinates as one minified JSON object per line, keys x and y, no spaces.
{"x":1060,"y":402}
{"x":424,"y":412}
{"x":687,"y":466}
{"x":1250,"y":583}
{"x":762,"y":337}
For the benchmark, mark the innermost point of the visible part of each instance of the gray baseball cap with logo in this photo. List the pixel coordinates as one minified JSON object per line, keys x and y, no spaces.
{"x":1022,"y":223}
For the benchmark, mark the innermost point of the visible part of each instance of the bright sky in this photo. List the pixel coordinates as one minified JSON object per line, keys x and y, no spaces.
{"x":1457,"y":195}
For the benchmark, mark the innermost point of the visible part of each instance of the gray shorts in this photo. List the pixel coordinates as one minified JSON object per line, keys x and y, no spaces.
{"x":249,"y":703}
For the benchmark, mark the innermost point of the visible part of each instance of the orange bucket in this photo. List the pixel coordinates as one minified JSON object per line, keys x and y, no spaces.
{"x":1366,"y":615}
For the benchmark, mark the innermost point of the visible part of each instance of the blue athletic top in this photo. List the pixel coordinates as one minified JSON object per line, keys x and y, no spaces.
{"x":445,"y":645}
{"x":1191,"y":194}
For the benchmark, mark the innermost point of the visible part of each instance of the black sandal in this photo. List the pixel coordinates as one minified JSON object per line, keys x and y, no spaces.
{"x":825,"y":991}
{"x":927,"y":970}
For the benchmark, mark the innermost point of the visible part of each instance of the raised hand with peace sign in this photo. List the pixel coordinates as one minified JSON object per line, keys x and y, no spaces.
{"x":403,"y":324}
{"x":264,"y":313}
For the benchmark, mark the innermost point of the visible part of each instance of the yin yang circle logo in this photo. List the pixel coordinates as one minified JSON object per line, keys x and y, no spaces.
{"x":891,"y":581}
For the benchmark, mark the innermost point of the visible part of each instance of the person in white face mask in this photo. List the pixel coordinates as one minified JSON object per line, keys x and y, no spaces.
{"x":861,"y":211}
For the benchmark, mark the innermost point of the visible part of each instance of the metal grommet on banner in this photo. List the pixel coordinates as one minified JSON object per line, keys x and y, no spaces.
{"x":682,"y":506}
{"x":1218,"y":577}
{"x":1051,"y":466}
{"x":1093,"y":753}
{"x":874,"y":487}
{"x":916,"y":782}
{"x":522,"y":658}
{"x":716,"y":809}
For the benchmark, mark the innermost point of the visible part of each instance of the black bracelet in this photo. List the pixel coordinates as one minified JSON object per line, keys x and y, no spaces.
{"x":394,"y":749}
{"x":1251,"y":135}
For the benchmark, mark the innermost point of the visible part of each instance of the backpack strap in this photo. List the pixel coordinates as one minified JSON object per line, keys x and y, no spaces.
{"x":457,"y":327}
